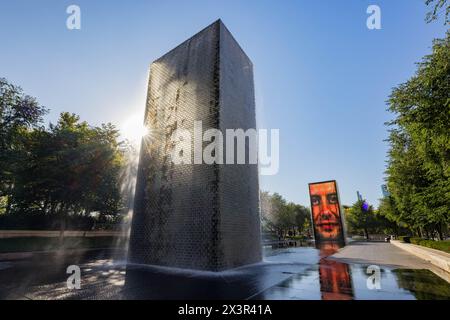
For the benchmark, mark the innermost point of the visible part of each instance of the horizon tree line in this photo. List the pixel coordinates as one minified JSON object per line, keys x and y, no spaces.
{"x":57,"y":174}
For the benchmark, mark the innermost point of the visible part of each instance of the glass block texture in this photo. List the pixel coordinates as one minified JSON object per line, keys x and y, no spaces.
{"x":197,"y":216}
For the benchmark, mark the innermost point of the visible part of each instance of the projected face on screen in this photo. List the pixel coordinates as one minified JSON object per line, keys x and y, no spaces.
{"x":325,"y":211}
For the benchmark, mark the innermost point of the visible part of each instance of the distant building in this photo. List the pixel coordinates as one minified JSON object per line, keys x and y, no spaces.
{"x":359,"y":196}
{"x":384,"y":191}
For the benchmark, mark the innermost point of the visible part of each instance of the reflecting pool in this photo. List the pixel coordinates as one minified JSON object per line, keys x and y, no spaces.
{"x":292,"y":273}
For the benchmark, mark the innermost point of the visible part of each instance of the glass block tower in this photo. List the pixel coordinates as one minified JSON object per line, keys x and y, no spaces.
{"x":197,"y":216}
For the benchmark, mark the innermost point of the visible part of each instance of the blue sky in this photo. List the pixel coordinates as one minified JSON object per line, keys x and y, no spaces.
{"x":321,"y":76}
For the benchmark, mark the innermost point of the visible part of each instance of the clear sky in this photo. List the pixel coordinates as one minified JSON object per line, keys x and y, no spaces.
{"x":322,"y":77}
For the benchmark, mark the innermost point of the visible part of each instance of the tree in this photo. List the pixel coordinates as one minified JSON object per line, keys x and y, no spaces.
{"x":69,"y":169}
{"x":418,"y":171}
{"x":76,"y":169}
{"x":19,"y":113}
{"x":360,"y":220}
{"x":387,"y":211}
{"x":272,"y":211}
{"x":283,"y":218}
{"x":302,"y":216}
{"x":438,"y":7}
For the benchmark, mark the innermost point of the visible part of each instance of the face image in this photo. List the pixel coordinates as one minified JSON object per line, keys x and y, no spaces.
{"x":325,"y":210}
{"x":335,"y":277}
{"x":335,"y":280}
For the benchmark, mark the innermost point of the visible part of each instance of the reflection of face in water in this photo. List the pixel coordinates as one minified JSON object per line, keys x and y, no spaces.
{"x":335,"y":279}
{"x":325,"y":210}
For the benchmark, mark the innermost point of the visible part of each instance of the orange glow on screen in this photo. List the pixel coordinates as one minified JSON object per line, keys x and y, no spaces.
{"x":325,"y":211}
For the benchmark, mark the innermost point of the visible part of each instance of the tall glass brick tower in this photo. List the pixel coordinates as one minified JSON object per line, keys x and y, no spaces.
{"x":197,"y":216}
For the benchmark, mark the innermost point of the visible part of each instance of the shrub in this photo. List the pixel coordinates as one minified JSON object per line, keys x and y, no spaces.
{"x":405,"y":239}
{"x":29,"y":244}
{"x":43,"y":221}
{"x":438,"y":245}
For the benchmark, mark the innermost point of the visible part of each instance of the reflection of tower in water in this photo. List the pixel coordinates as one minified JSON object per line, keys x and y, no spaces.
{"x":335,"y":277}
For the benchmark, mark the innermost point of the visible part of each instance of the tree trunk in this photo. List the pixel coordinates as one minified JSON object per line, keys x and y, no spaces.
{"x":62,"y":225}
{"x":9,"y":201}
{"x":366,"y":233}
{"x":8,"y":204}
{"x":439,"y":231}
{"x":418,"y":233}
{"x":422,"y":233}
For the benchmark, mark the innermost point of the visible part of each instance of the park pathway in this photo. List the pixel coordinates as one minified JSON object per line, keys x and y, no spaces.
{"x":386,"y":254}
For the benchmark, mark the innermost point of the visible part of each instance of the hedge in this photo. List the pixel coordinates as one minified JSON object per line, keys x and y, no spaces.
{"x":43,"y":221}
{"x":404,"y":239}
{"x":30,"y":244}
{"x":438,"y":245}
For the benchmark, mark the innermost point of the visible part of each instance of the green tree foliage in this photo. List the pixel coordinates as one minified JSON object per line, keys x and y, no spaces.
{"x":418,"y":172}
{"x":68,"y":169}
{"x":281,"y":217}
{"x":19,"y":114}
{"x":360,"y":220}
{"x":439,"y":6}
{"x":367,"y":222}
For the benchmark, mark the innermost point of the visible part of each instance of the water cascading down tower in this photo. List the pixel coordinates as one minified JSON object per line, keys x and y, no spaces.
{"x":197,"y":216}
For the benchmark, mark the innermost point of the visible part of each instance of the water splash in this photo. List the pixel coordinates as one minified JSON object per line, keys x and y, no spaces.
{"x":127,"y":190}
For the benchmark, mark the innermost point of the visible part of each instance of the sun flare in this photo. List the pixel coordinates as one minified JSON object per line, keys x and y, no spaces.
{"x":133,"y":129}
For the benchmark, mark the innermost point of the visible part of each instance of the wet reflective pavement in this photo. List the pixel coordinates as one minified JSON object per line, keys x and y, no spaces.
{"x":294,"y":273}
{"x":336,"y":281}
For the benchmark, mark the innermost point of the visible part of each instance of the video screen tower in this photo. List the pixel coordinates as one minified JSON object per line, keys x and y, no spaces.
{"x":197,"y":216}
